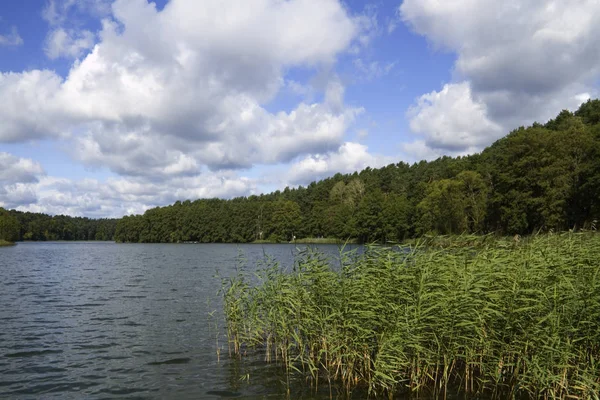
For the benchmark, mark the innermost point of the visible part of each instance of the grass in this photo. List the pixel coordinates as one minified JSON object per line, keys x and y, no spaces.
{"x":502,"y":319}
{"x":5,"y":243}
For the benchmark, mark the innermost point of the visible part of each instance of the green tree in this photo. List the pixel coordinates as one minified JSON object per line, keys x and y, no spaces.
{"x":285,"y":220}
{"x":475,"y":195}
{"x":589,"y":112}
{"x":370,"y":222}
{"x":9,"y":227}
{"x":442,"y":210}
{"x":396,"y":212}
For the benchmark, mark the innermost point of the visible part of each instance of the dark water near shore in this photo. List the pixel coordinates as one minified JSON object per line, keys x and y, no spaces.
{"x":103,"y":320}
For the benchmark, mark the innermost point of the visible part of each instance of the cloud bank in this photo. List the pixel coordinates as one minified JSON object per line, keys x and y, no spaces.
{"x":178,"y":96}
{"x":516,"y":62}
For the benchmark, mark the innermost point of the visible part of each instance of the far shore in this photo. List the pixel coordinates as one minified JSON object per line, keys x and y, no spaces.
{"x":5,"y":243}
{"x":308,"y":241}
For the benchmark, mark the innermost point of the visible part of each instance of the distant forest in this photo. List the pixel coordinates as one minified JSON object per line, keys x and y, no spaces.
{"x":544,"y":177}
{"x":17,"y":225}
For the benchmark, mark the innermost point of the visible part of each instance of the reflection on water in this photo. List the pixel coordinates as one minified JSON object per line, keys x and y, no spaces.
{"x":102,"y":320}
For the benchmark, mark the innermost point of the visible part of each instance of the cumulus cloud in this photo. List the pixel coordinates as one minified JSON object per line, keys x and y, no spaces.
{"x":14,"y":169}
{"x":11,"y":39}
{"x":522,"y":60}
{"x":17,"y":176}
{"x":349,"y":157}
{"x":452,"y":120}
{"x":177,"y":101}
{"x":164,"y":92}
{"x":29,"y":107}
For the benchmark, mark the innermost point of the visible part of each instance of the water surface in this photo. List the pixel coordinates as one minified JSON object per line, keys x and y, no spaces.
{"x":106,"y":320}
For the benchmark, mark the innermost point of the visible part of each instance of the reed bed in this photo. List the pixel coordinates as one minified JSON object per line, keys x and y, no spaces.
{"x":503,"y":319}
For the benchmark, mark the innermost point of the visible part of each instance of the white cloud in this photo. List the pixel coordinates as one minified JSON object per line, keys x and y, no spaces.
{"x":18,"y":170}
{"x":349,"y":157}
{"x":29,"y":107}
{"x":123,"y":196}
{"x":164,"y":92}
{"x":66,"y":38}
{"x":452,"y":120}
{"x":68,"y":44}
{"x":174,"y":101}
{"x":17,"y":176}
{"x":116,"y":196}
{"x":418,"y":150}
{"x":535,"y":46}
{"x":191,"y":79}
{"x":11,"y":39}
{"x":523,"y":60}
{"x":60,"y":12}
{"x":238,"y":135}
{"x":17,"y":195}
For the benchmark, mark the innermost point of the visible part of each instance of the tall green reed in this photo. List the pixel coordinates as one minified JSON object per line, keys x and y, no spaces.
{"x":497,"y":318}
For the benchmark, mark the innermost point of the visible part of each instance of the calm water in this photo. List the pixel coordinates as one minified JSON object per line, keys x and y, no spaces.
{"x":104,"y":320}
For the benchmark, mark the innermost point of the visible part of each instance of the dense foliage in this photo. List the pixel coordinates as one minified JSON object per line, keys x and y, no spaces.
{"x":35,"y":226}
{"x":9,"y":227}
{"x":494,"y":319}
{"x":545,"y":177}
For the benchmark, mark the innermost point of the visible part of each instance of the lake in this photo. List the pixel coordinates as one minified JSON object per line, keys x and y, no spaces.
{"x":106,"y":320}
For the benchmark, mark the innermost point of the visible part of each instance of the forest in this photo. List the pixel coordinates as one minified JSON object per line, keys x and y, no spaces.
{"x":18,"y":226}
{"x":545,"y":177}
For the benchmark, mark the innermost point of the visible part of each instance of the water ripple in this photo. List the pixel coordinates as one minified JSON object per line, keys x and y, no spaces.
{"x":34,"y":353}
{"x":101,"y":320}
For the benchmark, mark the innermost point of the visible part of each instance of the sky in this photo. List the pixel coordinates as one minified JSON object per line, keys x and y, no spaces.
{"x":112,"y":107}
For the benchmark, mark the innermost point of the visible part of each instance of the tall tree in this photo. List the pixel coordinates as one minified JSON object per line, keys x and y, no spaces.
{"x":9,"y":227}
{"x":286,"y":220}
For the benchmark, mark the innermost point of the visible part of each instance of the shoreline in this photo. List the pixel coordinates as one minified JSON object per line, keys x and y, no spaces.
{"x":308,"y":241}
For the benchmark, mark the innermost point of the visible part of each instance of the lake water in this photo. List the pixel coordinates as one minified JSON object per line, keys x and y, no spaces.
{"x":106,"y":320}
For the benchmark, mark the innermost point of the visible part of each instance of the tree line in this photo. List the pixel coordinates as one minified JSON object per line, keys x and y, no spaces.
{"x":543,"y":177}
{"x":17,"y":225}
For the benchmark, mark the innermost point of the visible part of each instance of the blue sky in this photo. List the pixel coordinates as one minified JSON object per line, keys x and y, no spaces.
{"x":111,"y":107}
